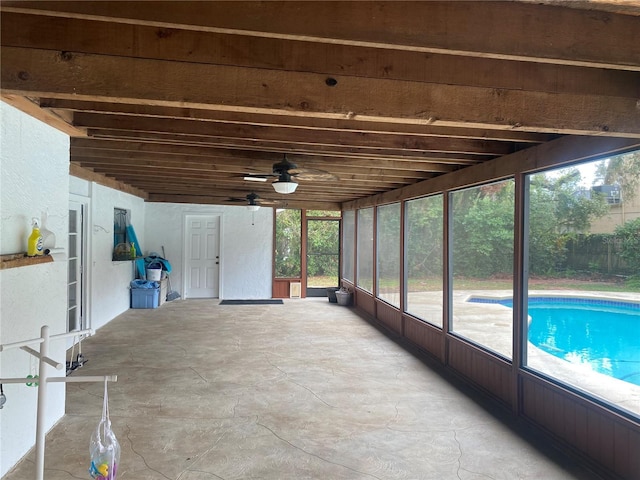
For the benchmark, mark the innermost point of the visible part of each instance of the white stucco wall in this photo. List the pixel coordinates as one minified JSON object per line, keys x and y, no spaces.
{"x":34,"y":166}
{"x":246,"y":245}
{"x":110,"y":295}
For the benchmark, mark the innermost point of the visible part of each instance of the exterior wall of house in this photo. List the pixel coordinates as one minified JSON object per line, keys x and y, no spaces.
{"x":618,"y":214}
{"x":246,"y":245}
{"x":34,"y":167}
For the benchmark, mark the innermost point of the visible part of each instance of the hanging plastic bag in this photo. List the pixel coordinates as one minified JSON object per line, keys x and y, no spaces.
{"x":104,"y":447}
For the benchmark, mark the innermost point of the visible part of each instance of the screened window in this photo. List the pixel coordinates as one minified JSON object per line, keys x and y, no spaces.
{"x":482,"y":236}
{"x":388,"y":253}
{"x":423,"y":258}
{"x":288,"y":243}
{"x":365,"y":249}
{"x":323,"y":252}
{"x":348,"y":244}
{"x":323,"y":213}
{"x":583,"y":285}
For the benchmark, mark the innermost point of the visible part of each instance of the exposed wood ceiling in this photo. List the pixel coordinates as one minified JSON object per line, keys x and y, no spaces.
{"x":179,"y":100}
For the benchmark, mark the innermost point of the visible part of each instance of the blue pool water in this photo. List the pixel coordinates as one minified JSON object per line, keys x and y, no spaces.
{"x":603,"y":334}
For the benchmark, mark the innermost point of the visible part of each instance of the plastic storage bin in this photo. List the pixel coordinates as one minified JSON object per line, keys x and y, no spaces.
{"x":145,"y":297}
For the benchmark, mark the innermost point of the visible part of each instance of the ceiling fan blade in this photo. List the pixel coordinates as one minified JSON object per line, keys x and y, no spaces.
{"x":313,"y":174}
{"x":286,"y":168}
{"x":256,"y":178}
{"x":269,"y":203}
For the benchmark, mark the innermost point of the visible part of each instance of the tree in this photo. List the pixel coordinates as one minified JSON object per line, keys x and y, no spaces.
{"x":483,"y":226}
{"x":288,"y":243}
{"x":483,"y":223}
{"x":323,"y":248}
{"x":424,"y":237}
{"x":628,"y":235}
{"x":388,"y":247}
{"x":559,"y":209}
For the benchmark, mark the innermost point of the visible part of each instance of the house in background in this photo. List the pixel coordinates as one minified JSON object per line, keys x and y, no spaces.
{"x":622,"y":208}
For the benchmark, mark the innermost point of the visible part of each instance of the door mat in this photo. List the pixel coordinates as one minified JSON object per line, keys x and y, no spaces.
{"x":276,"y":301}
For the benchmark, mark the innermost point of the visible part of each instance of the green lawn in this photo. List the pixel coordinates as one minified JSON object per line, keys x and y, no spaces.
{"x":547,"y":283}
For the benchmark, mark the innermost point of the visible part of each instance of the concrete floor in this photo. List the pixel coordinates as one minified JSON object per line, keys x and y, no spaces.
{"x":304,"y":390}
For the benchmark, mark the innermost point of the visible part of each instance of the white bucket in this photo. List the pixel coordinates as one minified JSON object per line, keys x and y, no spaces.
{"x":343,"y":298}
{"x":154,"y":274}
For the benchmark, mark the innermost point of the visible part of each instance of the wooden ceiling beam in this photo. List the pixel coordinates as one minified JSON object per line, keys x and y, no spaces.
{"x":303,"y":192}
{"x":90,"y":77}
{"x":184,"y":98}
{"x":226,"y":197}
{"x":328,"y":148}
{"x":317,"y":125}
{"x":212,"y":200}
{"x":114,"y":125}
{"x":91,"y":176}
{"x":169,"y":175}
{"x":224,"y":164}
{"x":218,"y":190}
{"x":158,"y":180}
{"x":563,"y":35}
{"x":156,"y":177}
{"x":435,"y":162}
{"x":344,"y":172}
{"x":30,"y":107}
{"x":127,"y":40}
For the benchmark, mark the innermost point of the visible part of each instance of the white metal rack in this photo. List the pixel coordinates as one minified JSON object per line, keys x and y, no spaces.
{"x":43,"y":379}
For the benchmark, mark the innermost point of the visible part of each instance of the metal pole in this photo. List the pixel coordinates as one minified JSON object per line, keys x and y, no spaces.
{"x":53,"y":363}
{"x":42,"y":402}
{"x":86,"y":378}
{"x":96,"y":378}
{"x":43,"y":379}
{"x":74,"y":333}
{"x":7,"y":346}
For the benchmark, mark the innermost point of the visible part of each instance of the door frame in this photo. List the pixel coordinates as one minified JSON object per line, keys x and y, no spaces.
{"x":185,"y":229}
{"x":86,"y":271}
{"x":318,"y":291}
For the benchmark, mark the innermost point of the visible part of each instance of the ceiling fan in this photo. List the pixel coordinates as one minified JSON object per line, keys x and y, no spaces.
{"x":253,"y":201}
{"x":287,"y":173}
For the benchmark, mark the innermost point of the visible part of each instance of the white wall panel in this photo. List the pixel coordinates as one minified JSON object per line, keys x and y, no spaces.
{"x":34,"y":178}
{"x":110,"y":294}
{"x":246,"y":245}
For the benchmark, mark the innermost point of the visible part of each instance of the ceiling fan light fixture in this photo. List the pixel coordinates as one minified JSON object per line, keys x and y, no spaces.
{"x":253,"y":207}
{"x":284,"y":187}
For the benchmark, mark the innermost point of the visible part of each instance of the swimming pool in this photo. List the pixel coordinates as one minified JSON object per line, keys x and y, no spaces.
{"x":601,"y":334}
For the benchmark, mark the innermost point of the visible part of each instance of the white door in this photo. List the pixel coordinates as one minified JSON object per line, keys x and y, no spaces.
{"x":202,"y":252}
{"x":75,"y":278}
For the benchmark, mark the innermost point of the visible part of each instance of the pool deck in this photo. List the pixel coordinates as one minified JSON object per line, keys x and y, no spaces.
{"x":490,"y":325}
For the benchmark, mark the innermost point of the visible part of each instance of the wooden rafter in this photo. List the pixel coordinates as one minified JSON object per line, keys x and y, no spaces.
{"x":180,"y":100}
